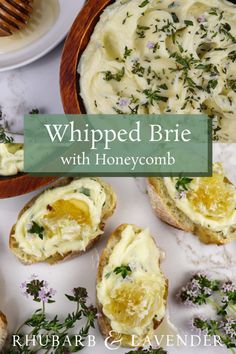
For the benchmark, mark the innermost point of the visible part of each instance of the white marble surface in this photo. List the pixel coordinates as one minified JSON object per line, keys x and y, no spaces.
{"x":38,"y":86}
{"x":33,"y":86}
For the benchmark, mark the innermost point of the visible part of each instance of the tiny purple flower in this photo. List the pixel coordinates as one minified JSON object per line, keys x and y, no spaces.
{"x":150,"y":45}
{"x":34,"y":276}
{"x":229,"y":327}
{"x":99,"y":315}
{"x":181,"y":195}
{"x":23,"y":285}
{"x":29,"y":226}
{"x":25,"y":294}
{"x":43,"y":295}
{"x":228,"y":287}
{"x":225,"y":299}
{"x":46,"y":284}
{"x":52,"y":292}
{"x":201,"y":19}
{"x":207,"y":291}
{"x":123,"y":102}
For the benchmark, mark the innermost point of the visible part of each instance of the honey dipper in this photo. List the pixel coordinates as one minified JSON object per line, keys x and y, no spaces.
{"x":14,"y":15}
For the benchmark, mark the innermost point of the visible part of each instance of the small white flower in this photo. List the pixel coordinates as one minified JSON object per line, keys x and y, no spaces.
{"x":34,"y":276}
{"x":207,"y":291}
{"x":225,"y":299}
{"x":29,"y":226}
{"x":229,"y":328}
{"x":180,"y":195}
{"x":228,"y":287}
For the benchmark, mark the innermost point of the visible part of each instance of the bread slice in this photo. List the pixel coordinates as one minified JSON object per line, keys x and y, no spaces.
{"x":3,"y":330}
{"x":107,"y":211}
{"x":103,"y":321}
{"x":166,"y":209}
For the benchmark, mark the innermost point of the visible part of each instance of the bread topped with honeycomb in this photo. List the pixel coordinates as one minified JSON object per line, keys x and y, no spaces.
{"x":131,"y":288}
{"x":62,"y":221}
{"x":3,"y":330}
{"x":204,"y":206}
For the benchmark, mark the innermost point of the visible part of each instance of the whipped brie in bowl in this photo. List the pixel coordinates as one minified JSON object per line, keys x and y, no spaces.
{"x":163,"y":56}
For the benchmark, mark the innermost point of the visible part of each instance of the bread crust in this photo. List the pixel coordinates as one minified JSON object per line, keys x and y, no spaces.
{"x":108,"y":210}
{"x":3,"y":330}
{"x":166,"y":209}
{"x":103,"y":321}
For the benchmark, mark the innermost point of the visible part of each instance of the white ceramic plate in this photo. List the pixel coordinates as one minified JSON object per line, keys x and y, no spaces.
{"x":68,"y":11}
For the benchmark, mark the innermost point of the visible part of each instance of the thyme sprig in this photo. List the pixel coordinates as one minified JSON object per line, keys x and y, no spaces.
{"x":198,"y":290}
{"x":225,"y":330}
{"x":148,"y":351}
{"x":40,"y":325}
{"x":4,"y":138}
{"x":34,"y":111}
{"x":221,"y":296}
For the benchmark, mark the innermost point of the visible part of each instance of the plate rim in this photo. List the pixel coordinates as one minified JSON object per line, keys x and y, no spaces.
{"x":35,"y":57}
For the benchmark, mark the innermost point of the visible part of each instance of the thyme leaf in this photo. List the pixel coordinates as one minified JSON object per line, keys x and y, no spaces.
{"x":182,"y":184}
{"x":144,"y":3}
{"x":108,"y":75}
{"x":37,"y":229}
{"x":154,"y":96}
{"x":85,"y":191}
{"x":123,"y":270}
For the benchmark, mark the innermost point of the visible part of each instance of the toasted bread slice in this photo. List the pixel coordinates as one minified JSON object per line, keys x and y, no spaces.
{"x":105,"y":323}
{"x":165,"y":208}
{"x":107,"y":210}
{"x":3,"y":330}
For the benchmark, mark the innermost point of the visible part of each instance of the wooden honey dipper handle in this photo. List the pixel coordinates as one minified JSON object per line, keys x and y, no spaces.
{"x":14,"y":15}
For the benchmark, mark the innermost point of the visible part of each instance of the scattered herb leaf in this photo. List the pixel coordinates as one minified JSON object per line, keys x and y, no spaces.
{"x":37,"y":229}
{"x":117,"y":76}
{"x":182,"y":184}
{"x":144,"y":3}
{"x":124,"y":270}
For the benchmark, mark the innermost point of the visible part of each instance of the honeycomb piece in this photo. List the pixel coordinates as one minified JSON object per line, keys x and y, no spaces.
{"x":132,"y":304}
{"x":72,"y":209}
{"x":214,"y":197}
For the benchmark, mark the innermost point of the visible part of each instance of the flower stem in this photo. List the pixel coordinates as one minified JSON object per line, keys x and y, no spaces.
{"x":43,"y":308}
{"x":213,"y":303}
{"x":232,"y":307}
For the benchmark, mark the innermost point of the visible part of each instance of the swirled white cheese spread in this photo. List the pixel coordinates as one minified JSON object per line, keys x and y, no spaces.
{"x":11,"y":159}
{"x":164,"y":56}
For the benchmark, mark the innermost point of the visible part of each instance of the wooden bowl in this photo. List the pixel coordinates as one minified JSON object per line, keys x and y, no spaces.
{"x":76,"y":42}
{"x":21,"y":184}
